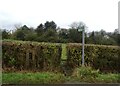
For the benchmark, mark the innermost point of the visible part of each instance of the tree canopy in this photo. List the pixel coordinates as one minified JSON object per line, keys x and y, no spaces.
{"x":49,"y":32}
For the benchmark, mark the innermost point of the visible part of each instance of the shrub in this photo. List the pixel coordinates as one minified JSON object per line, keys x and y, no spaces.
{"x":31,"y":55}
{"x":105,"y":58}
{"x":85,"y":72}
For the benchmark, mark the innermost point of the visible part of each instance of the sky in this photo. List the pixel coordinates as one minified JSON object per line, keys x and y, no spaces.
{"x":96,"y":14}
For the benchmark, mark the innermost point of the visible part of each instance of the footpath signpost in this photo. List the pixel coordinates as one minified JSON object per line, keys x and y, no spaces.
{"x":83,"y":42}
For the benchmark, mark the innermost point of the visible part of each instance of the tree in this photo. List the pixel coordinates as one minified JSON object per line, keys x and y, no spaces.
{"x":50,"y":25}
{"x":24,"y":27}
{"x":63,"y":33}
{"x":74,"y":25}
{"x":50,"y":36}
{"x":116,"y":31}
{"x":78,"y":25}
{"x":31,"y":35}
{"x":102,"y":37}
{"x":21,"y":33}
{"x":40,"y":29}
{"x":91,"y":39}
{"x":74,"y":35}
{"x":116,"y":36}
{"x":5,"y":34}
{"x":102,"y":32}
{"x":118,"y":39}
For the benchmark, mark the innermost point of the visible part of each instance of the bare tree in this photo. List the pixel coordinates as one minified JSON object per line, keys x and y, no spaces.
{"x":76,"y":25}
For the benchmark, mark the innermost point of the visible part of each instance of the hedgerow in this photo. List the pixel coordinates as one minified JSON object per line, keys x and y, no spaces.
{"x":105,"y":58}
{"x":25,"y":55}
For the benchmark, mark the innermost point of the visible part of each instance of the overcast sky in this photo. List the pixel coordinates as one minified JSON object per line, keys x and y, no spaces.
{"x":96,"y":14}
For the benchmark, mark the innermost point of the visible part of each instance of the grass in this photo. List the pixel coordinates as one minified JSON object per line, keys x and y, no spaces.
{"x":102,"y":78}
{"x":64,"y":54}
{"x":88,"y":75}
{"x":108,"y":78}
{"x":52,"y":78}
{"x":32,"y":78}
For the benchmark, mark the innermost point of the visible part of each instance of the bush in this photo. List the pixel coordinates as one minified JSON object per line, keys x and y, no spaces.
{"x":85,"y":72}
{"x":31,"y":55}
{"x":105,"y":58}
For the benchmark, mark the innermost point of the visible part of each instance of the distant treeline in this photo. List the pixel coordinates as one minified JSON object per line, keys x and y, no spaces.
{"x":49,"y":32}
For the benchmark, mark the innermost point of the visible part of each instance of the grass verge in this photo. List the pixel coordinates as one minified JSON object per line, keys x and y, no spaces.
{"x":32,"y":78}
{"x":52,"y":78}
{"x":89,"y":75}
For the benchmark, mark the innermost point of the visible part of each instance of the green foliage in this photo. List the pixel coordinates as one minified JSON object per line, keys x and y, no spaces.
{"x":84,"y":72}
{"x":108,"y":78}
{"x":24,"y":33}
{"x":63,"y":33}
{"x":74,"y":36}
{"x":31,"y":36}
{"x":12,"y":61}
{"x":50,"y":25}
{"x":89,"y":75}
{"x":50,"y":36}
{"x":107,"y":38}
{"x":5,"y":34}
{"x":56,"y":78}
{"x":105,"y":58}
{"x":49,"y":32}
{"x":24,"y":55}
{"x":39,"y":30}
{"x":52,"y":56}
{"x":64,"y":54}
{"x":118,"y":39}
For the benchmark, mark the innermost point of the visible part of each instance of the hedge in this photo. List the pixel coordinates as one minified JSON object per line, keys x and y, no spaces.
{"x":105,"y":58}
{"x":25,"y":55}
